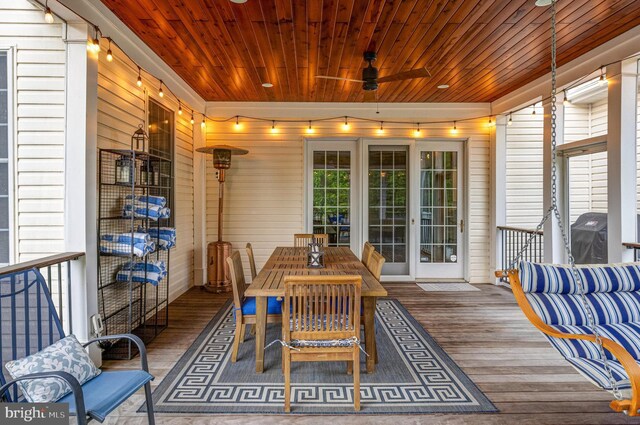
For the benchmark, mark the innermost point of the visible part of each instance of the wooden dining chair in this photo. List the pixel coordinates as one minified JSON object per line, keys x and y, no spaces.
{"x":375,"y":264}
{"x":244,"y":308}
{"x":321,"y":322}
{"x":252,"y":261}
{"x":367,"y":250}
{"x":302,"y":240}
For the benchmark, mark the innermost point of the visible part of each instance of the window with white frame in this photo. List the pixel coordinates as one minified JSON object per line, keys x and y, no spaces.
{"x":5,"y":192}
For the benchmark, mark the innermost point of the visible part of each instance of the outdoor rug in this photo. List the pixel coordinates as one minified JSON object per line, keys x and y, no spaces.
{"x":414,"y":375}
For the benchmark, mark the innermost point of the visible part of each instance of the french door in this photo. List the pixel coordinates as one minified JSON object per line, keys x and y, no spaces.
{"x":438,"y":217}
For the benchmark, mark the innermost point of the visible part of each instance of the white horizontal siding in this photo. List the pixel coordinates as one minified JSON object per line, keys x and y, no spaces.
{"x":264,"y":193}
{"x":121,"y":108}
{"x":524,"y":169}
{"x":39,"y":81}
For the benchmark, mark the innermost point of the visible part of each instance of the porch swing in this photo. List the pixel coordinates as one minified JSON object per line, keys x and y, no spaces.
{"x":591,"y":313}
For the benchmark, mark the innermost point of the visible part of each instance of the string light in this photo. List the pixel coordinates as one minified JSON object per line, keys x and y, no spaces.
{"x":510,"y":122}
{"x":534,"y":109}
{"x":139,"y":82}
{"x":381,"y":129}
{"x":566,"y":101}
{"x":109,"y":53}
{"x":193,"y":121}
{"x":94,"y":45}
{"x":237,"y":122}
{"x":490,"y":122}
{"x":454,"y":130}
{"x":309,"y":129}
{"x":48,"y":16}
{"x":203,"y":124}
{"x":274,"y":130}
{"x":160,"y":92}
{"x":602,"y":80}
{"x":346,"y":125}
{"x":179,"y":108}
{"x":417,"y":131}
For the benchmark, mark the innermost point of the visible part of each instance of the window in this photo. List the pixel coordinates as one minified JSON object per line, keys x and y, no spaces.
{"x":5,"y":237}
{"x":332,"y":195}
{"x":161,"y":143}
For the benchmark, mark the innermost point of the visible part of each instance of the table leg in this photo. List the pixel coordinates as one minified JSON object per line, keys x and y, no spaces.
{"x":261,"y":331}
{"x":370,"y":332}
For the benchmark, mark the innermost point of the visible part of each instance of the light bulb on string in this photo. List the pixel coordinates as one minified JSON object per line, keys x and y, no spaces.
{"x":381,"y":129}
{"x":237,"y":126}
{"x":48,"y":16}
{"x":203,"y":124}
{"x":310,"y":129}
{"x":109,"y":53}
{"x":139,"y":82}
{"x":274,"y":130}
{"x":95,"y":43}
{"x":533,"y":112}
{"x":179,"y":108}
{"x":454,"y":130}
{"x":566,"y":101}
{"x":603,"y":79}
{"x":417,"y":130}
{"x":510,"y":122}
{"x":346,"y":125}
{"x":160,"y":92}
{"x":490,"y":124}
{"x":193,"y":121}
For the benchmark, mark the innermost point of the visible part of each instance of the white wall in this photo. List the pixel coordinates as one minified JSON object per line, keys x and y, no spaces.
{"x":38,"y":145}
{"x":264,"y":195}
{"x":524,"y":169}
{"x":121,"y":108}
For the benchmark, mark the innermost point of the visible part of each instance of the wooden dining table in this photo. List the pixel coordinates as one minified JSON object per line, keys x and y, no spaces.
{"x":290,"y":261}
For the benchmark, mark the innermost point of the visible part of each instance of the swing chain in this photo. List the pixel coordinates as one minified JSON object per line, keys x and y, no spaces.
{"x":553,"y":208}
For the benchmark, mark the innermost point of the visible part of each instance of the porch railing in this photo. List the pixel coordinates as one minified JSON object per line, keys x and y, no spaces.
{"x":514,"y":239}
{"x":636,"y":249}
{"x":56,"y":270}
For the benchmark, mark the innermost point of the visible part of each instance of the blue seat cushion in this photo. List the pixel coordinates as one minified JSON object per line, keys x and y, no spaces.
{"x":274,"y":306}
{"x":107,"y":391}
{"x":594,"y":370}
{"x":625,"y":334}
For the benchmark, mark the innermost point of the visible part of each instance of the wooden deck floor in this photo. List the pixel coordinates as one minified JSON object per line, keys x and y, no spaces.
{"x":483,"y":331}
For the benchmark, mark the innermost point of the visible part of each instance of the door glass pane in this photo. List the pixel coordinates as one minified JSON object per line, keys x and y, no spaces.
{"x":332,"y":196}
{"x":438,"y":207}
{"x":388,"y":202}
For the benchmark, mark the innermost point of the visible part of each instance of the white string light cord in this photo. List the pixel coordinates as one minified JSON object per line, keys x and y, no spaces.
{"x":94,"y":44}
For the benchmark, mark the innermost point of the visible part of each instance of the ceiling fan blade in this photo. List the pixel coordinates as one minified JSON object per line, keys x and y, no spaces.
{"x":370,"y":96}
{"x":407,"y":75}
{"x":326,"y":77}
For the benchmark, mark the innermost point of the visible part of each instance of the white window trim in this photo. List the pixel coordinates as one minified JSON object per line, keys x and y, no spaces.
{"x":12,"y":137}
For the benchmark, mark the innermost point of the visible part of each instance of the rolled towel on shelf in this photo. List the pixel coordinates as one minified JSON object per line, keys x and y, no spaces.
{"x":139,"y":210}
{"x":139,"y":277}
{"x":137,"y":237}
{"x":124,"y":249}
{"x":165,"y":236}
{"x":144,"y":199}
{"x":150,"y":266}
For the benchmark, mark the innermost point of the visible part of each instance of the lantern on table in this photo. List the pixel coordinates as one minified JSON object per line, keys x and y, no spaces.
{"x":217,"y":252}
{"x":315,"y":255}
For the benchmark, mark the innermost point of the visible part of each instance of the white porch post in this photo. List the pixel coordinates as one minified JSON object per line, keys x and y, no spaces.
{"x":199,"y":207}
{"x":554,"y":251}
{"x":498,"y":179}
{"x":80,"y":176}
{"x":621,"y":159}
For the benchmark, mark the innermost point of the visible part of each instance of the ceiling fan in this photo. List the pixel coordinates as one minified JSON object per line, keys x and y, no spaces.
{"x":370,"y":80}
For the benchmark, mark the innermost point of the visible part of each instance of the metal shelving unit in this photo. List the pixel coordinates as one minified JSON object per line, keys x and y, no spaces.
{"x":128,"y":306}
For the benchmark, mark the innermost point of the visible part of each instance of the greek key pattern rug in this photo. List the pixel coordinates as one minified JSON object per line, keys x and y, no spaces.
{"x":414,"y":375}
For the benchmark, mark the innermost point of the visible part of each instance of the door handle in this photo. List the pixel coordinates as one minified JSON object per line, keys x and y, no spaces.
{"x":462,"y":226}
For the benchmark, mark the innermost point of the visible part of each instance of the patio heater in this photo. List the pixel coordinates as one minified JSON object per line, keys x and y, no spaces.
{"x":218,"y":279}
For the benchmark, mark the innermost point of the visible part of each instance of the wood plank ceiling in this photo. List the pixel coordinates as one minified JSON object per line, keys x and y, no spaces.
{"x":482,"y":48}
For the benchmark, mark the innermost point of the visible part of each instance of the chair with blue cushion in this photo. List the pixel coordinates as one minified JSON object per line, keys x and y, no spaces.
{"x":244,"y":308}
{"x":30,"y":323}
{"x":550,"y":297}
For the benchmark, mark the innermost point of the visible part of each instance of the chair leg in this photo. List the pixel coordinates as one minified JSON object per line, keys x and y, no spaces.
{"x":252,"y":329}
{"x":242,"y":332}
{"x":356,"y":379}
{"x":236,"y":341}
{"x":349,"y":368}
{"x":287,"y":379}
{"x":151,"y":417}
